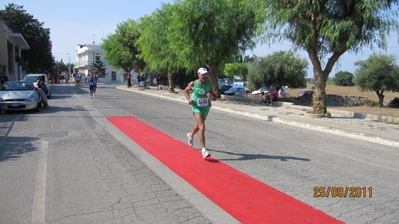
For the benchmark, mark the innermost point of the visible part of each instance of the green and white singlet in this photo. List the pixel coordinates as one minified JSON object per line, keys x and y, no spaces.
{"x":201,"y":103}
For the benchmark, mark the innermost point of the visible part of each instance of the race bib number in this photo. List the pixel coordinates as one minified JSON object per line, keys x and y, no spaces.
{"x":202,"y":102}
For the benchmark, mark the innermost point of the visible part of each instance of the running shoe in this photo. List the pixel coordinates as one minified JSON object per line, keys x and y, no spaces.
{"x":189,"y":139}
{"x":205,"y":154}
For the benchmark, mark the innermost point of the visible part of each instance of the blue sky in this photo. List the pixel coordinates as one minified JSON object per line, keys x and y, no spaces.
{"x":82,"y":22}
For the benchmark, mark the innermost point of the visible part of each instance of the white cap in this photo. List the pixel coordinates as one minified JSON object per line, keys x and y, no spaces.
{"x":202,"y":71}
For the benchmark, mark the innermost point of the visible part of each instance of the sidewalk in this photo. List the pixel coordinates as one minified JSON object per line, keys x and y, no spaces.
{"x":341,"y":123}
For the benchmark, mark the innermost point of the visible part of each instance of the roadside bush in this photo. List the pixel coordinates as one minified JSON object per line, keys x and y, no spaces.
{"x":372,"y":103}
{"x":344,"y":79}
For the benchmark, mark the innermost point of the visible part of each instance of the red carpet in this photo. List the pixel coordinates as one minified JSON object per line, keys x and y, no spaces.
{"x":245,"y":198}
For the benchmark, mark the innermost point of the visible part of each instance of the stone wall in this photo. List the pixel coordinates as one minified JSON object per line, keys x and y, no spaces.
{"x":332,"y":100}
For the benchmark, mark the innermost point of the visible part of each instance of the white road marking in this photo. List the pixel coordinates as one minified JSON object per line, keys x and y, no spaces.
{"x":39,"y":205}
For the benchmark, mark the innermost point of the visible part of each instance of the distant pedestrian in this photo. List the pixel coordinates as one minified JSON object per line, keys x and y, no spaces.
{"x":156,"y":81}
{"x":91,"y":84}
{"x":129,"y":80}
{"x":139,"y":80}
{"x":77,"y":76}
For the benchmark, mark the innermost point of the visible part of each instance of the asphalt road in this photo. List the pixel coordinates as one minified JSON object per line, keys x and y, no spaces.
{"x":66,"y":164}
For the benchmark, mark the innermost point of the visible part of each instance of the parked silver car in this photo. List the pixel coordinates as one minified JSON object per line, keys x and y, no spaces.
{"x":19,"y":95}
{"x":34,"y":77}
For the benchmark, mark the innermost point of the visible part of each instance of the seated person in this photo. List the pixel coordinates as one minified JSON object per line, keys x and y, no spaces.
{"x":272,"y":95}
{"x":263,"y":98}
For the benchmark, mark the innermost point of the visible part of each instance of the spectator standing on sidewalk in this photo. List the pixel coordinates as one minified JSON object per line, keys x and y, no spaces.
{"x":139,"y":80}
{"x":143,"y":81}
{"x":203,"y":92}
{"x":156,"y":80}
{"x":129,"y":80}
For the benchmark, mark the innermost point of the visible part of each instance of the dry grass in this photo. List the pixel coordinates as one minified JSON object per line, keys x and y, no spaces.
{"x":353,"y":91}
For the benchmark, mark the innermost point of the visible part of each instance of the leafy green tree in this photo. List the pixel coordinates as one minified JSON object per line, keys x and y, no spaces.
{"x":120,"y":50}
{"x":379,"y":73}
{"x":209,"y":32}
{"x":155,"y":43}
{"x":279,"y":68}
{"x":344,"y":79}
{"x":38,"y":58}
{"x":59,"y":66}
{"x":98,"y":65}
{"x":326,"y":30}
{"x":236,"y":69}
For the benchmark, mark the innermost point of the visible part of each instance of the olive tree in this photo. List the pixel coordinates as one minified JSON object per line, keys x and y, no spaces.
{"x":279,"y":68}
{"x":379,"y":73}
{"x":344,"y":79}
{"x":326,"y":30}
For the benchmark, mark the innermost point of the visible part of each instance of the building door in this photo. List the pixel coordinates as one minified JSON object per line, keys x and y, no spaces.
{"x":113,"y":76}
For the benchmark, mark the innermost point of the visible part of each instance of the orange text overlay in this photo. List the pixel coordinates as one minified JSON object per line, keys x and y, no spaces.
{"x":342,"y":192}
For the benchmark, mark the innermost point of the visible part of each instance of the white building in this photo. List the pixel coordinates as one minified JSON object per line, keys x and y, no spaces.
{"x":11,"y":46}
{"x":85,"y":56}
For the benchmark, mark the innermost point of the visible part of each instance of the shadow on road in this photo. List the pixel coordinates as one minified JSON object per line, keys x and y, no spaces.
{"x":258,"y":156}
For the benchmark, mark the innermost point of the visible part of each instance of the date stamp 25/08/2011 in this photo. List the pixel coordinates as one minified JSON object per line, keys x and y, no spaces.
{"x":342,"y":192}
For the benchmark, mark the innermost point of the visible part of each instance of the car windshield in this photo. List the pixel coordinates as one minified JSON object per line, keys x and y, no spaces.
{"x":20,"y":86}
{"x":30,"y":78}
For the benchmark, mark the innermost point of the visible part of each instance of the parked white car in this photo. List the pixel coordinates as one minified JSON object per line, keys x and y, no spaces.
{"x":19,"y":95}
{"x":261,"y":90}
{"x":282,"y":93}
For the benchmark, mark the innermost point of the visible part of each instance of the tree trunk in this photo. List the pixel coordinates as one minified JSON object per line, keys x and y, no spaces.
{"x":212,"y":74}
{"x":380,"y":98}
{"x":319,"y":94}
{"x":171,"y":88}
